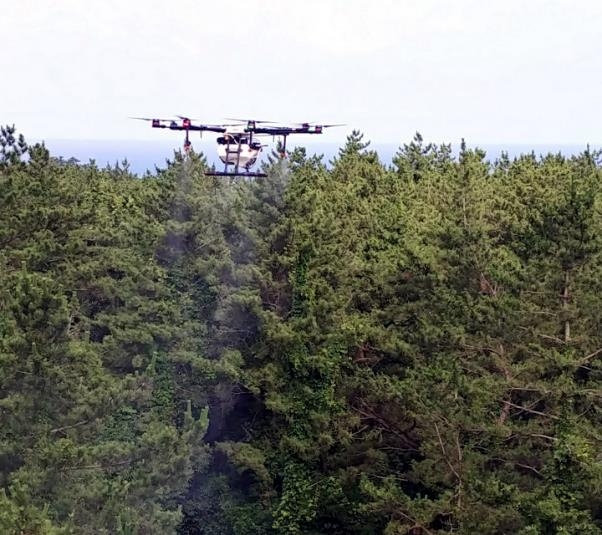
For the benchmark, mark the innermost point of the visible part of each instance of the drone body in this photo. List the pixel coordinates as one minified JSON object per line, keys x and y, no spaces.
{"x":238,"y":150}
{"x":237,"y":146}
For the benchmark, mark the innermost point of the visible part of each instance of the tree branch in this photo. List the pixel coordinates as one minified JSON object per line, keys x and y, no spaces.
{"x":59,"y":429}
{"x":449,"y":464}
{"x":589,"y":357}
{"x":530,"y":411}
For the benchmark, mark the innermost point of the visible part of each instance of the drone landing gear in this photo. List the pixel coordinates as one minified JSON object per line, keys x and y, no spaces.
{"x":187,"y":143}
{"x":283,"y":148}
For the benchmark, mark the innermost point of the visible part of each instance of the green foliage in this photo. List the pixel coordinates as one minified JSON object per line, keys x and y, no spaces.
{"x":11,"y":148}
{"x":343,"y":349}
{"x":93,"y":437}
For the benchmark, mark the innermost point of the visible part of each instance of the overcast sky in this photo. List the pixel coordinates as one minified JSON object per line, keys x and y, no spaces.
{"x":511,"y":71}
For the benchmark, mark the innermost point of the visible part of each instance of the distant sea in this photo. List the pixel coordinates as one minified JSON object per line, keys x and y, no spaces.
{"x":147,"y":155}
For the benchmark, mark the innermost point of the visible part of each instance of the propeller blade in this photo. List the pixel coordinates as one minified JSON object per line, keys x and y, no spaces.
{"x":248,"y":120}
{"x":185,"y":118}
{"x":150,"y":119}
{"x":313,"y":123}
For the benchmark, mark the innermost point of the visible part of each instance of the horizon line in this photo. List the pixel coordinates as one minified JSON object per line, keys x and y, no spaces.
{"x":314,"y":142}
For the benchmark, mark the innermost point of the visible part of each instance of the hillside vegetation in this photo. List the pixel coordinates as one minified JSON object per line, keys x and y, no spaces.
{"x":338,"y":348}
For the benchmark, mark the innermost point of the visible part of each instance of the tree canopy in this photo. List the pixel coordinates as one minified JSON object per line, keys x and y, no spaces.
{"x":343,"y":347}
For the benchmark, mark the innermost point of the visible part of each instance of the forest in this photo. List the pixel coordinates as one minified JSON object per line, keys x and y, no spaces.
{"x":343,"y":347}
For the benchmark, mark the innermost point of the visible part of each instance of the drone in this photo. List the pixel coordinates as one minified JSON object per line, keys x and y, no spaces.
{"x":238,"y":146}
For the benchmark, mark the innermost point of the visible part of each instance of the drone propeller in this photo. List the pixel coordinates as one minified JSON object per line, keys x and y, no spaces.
{"x":248,"y":121}
{"x":313,"y":123}
{"x":184,"y":118}
{"x":149,"y":119}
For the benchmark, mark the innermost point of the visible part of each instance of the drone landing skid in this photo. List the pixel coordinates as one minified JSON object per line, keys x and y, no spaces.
{"x":225,"y":173}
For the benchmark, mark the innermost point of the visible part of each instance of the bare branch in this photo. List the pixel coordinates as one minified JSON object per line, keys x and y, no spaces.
{"x":451,"y":467}
{"x":415,"y":522}
{"x":546,"y":437}
{"x":555,"y":339}
{"x":98,"y":466}
{"x":590,"y":356}
{"x":531,"y":411}
{"x":520,"y":465}
{"x":482,"y":348}
{"x":528,"y":389}
{"x":59,"y":429}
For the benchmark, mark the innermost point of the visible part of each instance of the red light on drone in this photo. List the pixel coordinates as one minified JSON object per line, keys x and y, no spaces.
{"x":186,"y":123}
{"x":156,"y":123}
{"x":319,"y":129}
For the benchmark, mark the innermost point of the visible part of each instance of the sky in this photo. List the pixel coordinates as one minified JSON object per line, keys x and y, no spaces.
{"x":511,"y":71}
